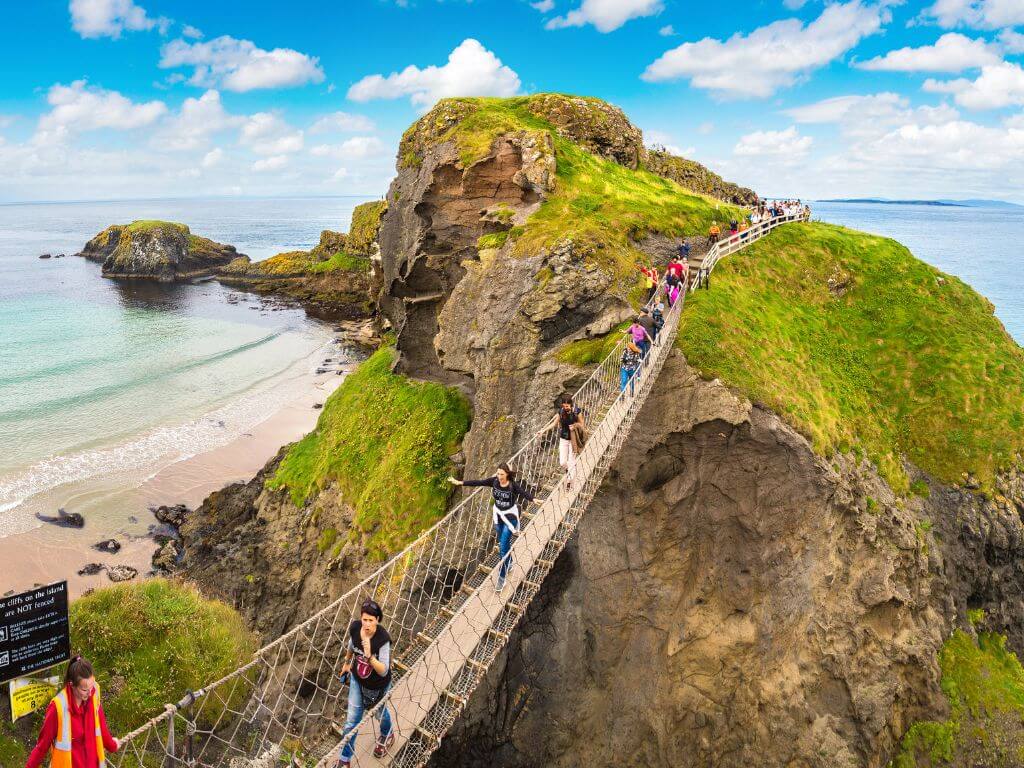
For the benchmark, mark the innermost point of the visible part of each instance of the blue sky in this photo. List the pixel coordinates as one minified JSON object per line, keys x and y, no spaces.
{"x":151,"y":98}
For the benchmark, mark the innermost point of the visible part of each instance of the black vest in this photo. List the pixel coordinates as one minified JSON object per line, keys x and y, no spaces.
{"x":362,"y":670}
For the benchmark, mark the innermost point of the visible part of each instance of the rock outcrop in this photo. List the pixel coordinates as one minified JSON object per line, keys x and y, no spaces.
{"x":333,"y":281}
{"x":158,"y":250}
{"x":690,"y":174}
{"x":733,"y":599}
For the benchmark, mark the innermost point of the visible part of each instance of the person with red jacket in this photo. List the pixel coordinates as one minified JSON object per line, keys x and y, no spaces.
{"x":75,"y":731}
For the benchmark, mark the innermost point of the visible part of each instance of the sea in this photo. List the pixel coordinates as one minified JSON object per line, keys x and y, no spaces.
{"x":110,"y":381}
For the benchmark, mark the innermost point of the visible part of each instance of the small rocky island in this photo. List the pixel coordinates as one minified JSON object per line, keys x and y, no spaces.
{"x":159,"y":250}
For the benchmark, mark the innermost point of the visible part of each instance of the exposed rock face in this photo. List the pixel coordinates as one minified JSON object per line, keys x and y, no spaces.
{"x":254,"y":549}
{"x":733,"y":600}
{"x":158,"y":250}
{"x":694,"y":176}
{"x":596,"y":125}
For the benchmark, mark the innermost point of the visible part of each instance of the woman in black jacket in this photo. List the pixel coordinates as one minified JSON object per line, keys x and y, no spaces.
{"x":505,"y":512}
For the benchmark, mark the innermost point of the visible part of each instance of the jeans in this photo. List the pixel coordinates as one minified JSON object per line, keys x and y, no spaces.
{"x":355,"y":716}
{"x":626,"y":376}
{"x":504,"y":536}
{"x":645,"y":347}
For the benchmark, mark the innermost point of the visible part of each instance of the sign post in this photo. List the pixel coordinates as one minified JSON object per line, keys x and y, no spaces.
{"x":34,"y":631}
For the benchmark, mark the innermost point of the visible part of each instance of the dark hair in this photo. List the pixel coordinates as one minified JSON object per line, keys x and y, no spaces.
{"x":510,"y":472}
{"x":372,"y":608}
{"x":563,"y":400}
{"x":78,"y":670}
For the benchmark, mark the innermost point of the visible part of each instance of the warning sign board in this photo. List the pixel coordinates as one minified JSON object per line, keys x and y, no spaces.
{"x":29,"y":694}
{"x":34,"y":631}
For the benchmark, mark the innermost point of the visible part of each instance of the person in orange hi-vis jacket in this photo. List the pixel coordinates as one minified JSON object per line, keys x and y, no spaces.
{"x":74,"y":732}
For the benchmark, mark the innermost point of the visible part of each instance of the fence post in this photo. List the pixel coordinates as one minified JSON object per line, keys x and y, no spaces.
{"x":169,"y":759}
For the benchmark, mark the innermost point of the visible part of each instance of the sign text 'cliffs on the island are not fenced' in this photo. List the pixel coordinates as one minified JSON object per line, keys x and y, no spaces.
{"x":34,"y":630}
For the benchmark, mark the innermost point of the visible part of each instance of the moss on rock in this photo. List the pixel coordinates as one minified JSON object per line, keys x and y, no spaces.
{"x":984,"y":686}
{"x":694,"y":176}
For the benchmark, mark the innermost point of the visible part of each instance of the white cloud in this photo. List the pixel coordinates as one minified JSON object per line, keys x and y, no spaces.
{"x":213,"y":158}
{"x":788,"y":143}
{"x":543,"y":5}
{"x":356,"y":147}
{"x":794,"y":5}
{"x":867,"y":116}
{"x":771,"y":57}
{"x":79,"y":107}
{"x":239,"y":65}
{"x":952,"y":52}
{"x":275,"y":163}
{"x":109,"y":18}
{"x":667,"y":31}
{"x":265,"y":133}
{"x":342,"y":121}
{"x":979,"y":14}
{"x":198,"y":120}
{"x":1000,"y":85}
{"x":1012,"y":42}
{"x":341,"y":173}
{"x":606,"y":15}
{"x":472,"y":70}
{"x":189,"y":31}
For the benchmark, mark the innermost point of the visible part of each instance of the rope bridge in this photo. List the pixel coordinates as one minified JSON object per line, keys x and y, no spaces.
{"x":447,"y":620}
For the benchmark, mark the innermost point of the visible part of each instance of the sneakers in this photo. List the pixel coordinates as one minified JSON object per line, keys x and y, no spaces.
{"x":383,"y":746}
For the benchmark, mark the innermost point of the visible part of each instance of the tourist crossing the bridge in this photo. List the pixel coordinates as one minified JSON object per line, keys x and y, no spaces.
{"x":507,"y":494}
{"x":571,"y":434}
{"x":629,"y":365}
{"x":367,"y":669}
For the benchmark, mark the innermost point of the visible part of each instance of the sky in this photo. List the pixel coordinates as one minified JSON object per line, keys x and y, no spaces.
{"x":115,"y":99}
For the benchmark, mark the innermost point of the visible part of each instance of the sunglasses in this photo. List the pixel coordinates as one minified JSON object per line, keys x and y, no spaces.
{"x":371,"y":607}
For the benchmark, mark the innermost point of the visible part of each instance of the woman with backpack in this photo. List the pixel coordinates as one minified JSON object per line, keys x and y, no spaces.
{"x":367,"y":668}
{"x":507,"y":494}
{"x":74,"y":730}
{"x":569,"y":420}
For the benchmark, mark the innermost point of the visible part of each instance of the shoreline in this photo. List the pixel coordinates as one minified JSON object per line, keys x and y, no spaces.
{"x":48,"y":553}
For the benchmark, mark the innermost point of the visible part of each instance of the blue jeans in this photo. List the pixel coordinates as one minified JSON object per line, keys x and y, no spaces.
{"x":626,"y":376}
{"x":355,"y":716}
{"x":504,"y":536}
{"x":645,"y":347}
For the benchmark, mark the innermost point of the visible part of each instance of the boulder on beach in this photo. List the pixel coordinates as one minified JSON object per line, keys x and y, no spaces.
{"x":172,"y":515}
{"x":166,"y":556}
{"x":121,"y":573}
{"x":159,"y":250}
{"x":110,"y":546}
{"x":64,"y":519}
{"x":91,"y":569}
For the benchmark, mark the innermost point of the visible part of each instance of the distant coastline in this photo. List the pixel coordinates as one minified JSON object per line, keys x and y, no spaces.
{"x":937,"y":203}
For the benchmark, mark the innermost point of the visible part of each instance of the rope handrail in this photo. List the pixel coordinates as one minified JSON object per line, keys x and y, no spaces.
{"x":439,"y":607}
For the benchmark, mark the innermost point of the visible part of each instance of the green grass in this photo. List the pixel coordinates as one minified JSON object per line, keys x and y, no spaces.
{"x":591,"y":351}
{"x":148,"y":225}
{"x":984,"y":684}
{"x":902,"y":360}
{"x":341,"y":262}
{"x":150,"y":642}
{"x":386,"y":441}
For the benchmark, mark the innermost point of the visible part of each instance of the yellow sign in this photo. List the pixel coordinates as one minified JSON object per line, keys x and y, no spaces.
{"x":31,"y":693}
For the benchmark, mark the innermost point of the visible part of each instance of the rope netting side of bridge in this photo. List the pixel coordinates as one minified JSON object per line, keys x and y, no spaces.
{"x":447,"y":619}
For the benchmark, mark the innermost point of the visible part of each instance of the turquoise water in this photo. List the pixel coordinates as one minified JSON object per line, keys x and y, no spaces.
{"x":981,"y":246}
{"x":99,"y":377}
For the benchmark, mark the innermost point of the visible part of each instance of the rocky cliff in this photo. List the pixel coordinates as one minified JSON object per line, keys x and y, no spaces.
{"x":334,"y":280}
{"x":692,"y":175}
{"x":821,"y":489}
{"x":158,"y":250}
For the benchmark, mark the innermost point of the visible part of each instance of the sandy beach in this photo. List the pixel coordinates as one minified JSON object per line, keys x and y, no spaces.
{"x":50,"y":553}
